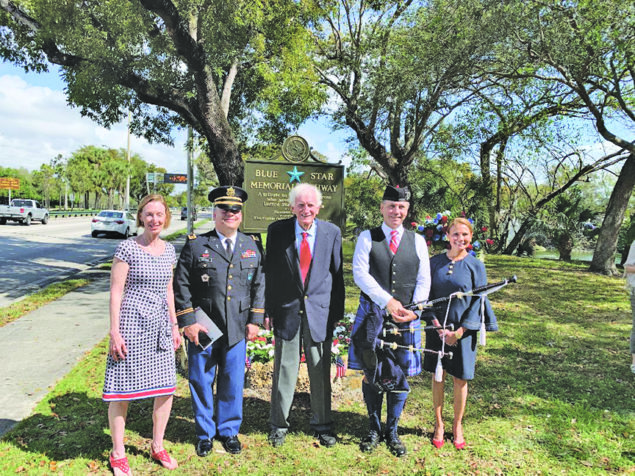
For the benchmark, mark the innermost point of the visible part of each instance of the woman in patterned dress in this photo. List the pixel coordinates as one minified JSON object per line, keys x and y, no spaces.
{"x":143,"y":332}
{"x":456,"y":270}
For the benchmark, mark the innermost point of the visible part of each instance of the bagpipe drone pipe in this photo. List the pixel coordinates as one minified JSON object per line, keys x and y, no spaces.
{"x":395,"y":343}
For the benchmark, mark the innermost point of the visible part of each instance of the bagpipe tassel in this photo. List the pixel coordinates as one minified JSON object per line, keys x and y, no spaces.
{"x":481,"y":336}
{"x":438,"y":372}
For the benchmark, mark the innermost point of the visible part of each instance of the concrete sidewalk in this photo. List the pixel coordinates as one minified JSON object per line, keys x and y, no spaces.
{"x":44,"y":345}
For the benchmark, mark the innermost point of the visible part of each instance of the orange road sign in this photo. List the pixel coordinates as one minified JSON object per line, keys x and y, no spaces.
{"x":10,"y":183}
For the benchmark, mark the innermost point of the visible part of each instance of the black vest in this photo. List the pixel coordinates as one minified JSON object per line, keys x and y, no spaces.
{"x":396,"y":274}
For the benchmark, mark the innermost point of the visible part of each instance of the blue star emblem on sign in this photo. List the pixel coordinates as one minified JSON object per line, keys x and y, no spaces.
{"x":294,"y":174}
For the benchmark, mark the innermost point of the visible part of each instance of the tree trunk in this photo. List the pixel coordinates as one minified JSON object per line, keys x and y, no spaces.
{"x":518,"y":237}
{"x":565,"y":246}
{"x":603,"y":261}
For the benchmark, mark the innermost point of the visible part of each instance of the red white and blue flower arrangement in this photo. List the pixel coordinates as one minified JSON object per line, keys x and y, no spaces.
{"x":435,"y":231}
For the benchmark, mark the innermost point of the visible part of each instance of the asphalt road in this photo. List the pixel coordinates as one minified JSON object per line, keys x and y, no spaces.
{"x":36,"y":255}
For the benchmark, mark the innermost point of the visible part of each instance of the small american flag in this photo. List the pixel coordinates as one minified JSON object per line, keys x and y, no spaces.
{"x":248,"y":362}
{"x":340,"y":368}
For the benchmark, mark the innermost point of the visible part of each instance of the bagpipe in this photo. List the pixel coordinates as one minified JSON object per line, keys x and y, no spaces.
{"x":388,"y":337}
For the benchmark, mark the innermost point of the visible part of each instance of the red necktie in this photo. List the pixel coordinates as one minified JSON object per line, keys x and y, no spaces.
{"x":394,"y":241}
{"x":305,"y":257}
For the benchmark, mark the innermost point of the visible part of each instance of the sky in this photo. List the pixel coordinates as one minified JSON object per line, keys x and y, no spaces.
{"x":37,"y":124}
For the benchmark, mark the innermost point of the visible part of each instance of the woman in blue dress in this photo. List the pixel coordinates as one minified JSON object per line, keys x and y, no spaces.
{"x":456,"y":270}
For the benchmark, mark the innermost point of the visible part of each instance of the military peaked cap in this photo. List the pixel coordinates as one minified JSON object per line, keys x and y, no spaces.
{"x":228,"y":197}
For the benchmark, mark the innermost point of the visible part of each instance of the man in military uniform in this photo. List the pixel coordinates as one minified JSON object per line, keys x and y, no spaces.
{"x":220,"y":272}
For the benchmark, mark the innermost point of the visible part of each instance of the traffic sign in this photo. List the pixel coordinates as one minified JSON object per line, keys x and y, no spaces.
{"x":175,"y":178}
{"x":154,"y":177}
{"x":9,"y":183}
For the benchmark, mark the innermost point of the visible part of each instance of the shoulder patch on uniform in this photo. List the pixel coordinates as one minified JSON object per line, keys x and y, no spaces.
{"x":192,"y":236}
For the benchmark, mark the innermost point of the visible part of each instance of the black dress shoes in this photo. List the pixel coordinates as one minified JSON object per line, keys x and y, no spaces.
{"x":326,"y":438}
{"x":203,"y":447}
{"x":231,"y":444}
{"x":395,"y":445}
{"x":276,"y":438}
{"x":370,"y":442}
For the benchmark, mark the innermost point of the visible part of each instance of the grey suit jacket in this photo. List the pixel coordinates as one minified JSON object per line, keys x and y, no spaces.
{"x":286,"y":298}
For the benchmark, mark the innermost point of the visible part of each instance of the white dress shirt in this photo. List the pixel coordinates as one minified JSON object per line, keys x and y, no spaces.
{"x":368,"y":284}
{"x":310,"y":236}
{"x":223,"y":240}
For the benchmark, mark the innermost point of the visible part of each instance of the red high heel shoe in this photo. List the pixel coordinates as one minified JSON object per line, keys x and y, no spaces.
{"x":460,"y":446}
{"x":437,"y":443}
{"x":121,"y":464}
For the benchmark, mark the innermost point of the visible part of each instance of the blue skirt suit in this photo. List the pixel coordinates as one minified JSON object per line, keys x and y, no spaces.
{"x":466,"y":275}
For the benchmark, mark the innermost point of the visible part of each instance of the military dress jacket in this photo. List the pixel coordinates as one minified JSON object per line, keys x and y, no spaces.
{"x":230,"y":291}
{"x":287,"y":298}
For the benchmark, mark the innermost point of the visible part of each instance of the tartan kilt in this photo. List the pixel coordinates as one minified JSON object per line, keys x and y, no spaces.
{"x":368,"y":324}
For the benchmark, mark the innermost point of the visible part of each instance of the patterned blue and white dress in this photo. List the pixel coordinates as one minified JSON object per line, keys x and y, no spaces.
{"x":144,"y":322}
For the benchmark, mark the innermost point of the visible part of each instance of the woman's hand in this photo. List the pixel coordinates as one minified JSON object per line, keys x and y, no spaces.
{"x":176,"y":337}
{"x":450,"y":337}
{"x":117,"y":349}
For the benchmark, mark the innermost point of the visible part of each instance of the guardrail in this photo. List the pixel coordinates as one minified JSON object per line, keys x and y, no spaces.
{"x":72,"y":213}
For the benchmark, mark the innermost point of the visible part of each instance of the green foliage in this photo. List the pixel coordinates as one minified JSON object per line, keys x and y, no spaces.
{"x":362,"y":199}
{"x":39,"y":299}
{"x":27,"y":188}
{"x":214,"y":65}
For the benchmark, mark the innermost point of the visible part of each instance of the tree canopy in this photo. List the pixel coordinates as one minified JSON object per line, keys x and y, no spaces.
{"x":222,"y":67}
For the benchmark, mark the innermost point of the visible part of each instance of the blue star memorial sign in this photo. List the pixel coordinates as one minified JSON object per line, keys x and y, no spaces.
{"x":295,"y":174}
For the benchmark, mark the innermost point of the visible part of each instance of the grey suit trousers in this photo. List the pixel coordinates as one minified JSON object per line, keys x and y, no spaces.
{"x":285,"y":376}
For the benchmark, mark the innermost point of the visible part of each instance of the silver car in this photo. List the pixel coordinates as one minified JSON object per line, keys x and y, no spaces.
{"x":113,"y":222}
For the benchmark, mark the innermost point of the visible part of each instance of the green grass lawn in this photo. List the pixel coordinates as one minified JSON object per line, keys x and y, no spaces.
{"x":553,"y":394}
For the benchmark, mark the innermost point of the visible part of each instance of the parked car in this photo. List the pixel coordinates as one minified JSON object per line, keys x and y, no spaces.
{"x":23,"y":211}
{"x":113,"y":222}
{"x":184,"y":214}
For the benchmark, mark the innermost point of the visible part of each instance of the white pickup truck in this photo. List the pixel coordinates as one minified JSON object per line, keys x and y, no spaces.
{"x":23,"y":211}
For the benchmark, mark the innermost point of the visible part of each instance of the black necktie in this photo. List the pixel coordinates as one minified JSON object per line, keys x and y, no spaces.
{"x":228,"y":248}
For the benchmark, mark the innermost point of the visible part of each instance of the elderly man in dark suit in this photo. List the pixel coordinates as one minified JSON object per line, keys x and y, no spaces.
{"x":304,"y":298}
{"x":220,"y":272}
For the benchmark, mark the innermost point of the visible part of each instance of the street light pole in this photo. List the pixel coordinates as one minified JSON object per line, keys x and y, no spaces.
{"x":126,"y":203}
{"x":190,"y":180}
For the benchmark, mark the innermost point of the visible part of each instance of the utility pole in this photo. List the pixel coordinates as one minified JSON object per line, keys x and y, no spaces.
{"x":190,"y":180}
{"x":126,"y":200}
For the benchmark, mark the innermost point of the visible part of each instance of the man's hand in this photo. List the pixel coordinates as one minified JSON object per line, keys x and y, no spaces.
{"x":398,"y":312}
{"x":251,"y":331}
{"x":191,"y":332}
{"x":405,"y":316}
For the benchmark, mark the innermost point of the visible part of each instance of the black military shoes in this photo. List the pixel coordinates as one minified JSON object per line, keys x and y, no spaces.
{"x":203,"y":447}
{"x":231,"y":444}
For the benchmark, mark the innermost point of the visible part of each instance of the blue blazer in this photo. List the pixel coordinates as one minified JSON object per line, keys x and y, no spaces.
{"x":286,"y":298}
